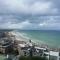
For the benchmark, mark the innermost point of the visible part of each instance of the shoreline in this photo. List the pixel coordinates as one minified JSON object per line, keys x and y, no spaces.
{"x":36,"y":43}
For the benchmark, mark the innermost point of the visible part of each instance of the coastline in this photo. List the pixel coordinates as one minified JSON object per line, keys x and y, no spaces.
{"x":19,"y":39}
{"x":17,"y":46}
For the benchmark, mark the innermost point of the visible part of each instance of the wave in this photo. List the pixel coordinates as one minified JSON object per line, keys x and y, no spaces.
{"x":21,"y":35}
{"x":27,"y":36}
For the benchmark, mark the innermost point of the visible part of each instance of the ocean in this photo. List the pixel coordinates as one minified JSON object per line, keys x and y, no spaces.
{"x":48,"y":37}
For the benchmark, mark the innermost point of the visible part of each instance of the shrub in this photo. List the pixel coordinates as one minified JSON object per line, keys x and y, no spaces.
{"x":32,"y":58}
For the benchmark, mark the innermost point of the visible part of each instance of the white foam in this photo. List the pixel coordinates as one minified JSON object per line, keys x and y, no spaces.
{"x":24,"y":37}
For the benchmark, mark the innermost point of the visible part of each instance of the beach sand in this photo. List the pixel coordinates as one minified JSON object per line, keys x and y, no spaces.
{"x":21,"y":39}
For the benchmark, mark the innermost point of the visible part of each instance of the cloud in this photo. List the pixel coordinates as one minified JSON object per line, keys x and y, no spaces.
{"x":37,"y":23}
{"x":22,"y":25}
{"x":29,"y":14}
{"x":52,"y":23}
{"x":27,"y":7}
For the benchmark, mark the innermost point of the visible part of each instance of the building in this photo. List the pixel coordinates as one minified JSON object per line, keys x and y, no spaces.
{"x":5,"y":46}
{"x":54,"y":55}
{"x":23,"y":50}
{"x":32,"y":50}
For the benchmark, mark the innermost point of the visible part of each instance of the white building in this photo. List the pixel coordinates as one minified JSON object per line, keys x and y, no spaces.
{"x":51,"y":55}
{"x":54,"y":55}
{"x":23,"y":50}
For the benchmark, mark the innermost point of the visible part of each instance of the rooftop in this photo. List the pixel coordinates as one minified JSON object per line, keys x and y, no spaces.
{"x":54,"y":53}
{"x":22,"y":45}
{"x":40,"y":48}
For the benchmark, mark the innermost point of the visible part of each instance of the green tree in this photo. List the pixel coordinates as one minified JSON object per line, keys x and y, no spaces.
{"x":32,"y":58}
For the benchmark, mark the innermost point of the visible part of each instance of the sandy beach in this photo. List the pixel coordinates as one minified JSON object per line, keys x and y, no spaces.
{"x":20,"y":39}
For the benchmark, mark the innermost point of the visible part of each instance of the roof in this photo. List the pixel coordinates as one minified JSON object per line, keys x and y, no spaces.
{"x":40,"y":48}
{"x":22,"y":45}
{"x":54,"y":53}
{"x":46,"y":53}
{"x":25,"y":48}
{"x":30,"y":44}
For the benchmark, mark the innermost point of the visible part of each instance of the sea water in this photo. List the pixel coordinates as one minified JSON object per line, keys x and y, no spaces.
{"x":48,"y":37}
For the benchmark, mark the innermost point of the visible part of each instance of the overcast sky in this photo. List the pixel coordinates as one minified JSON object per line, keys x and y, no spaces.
{"x":30,"y":14}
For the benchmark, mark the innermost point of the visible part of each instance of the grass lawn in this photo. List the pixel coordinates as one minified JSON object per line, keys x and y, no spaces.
{"x":2,"y":57}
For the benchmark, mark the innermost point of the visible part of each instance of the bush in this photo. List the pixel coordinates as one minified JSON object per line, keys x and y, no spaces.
{"x":32,"y":58}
